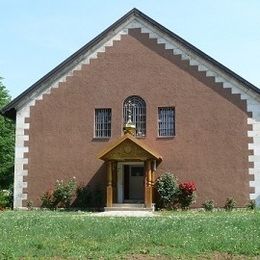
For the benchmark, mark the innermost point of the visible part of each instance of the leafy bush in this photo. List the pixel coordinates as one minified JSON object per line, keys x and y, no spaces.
{"x":230,"y":204}
{"x":167,"y":187}
{"x":186,"y":194}
{"x":84,"y":197}
{"x":4,"y":199}
{"x":61,"y":195}
{"x":29,"y":205}
{"x":47,"y":200}
{"x":98,"y":196}
{"x":251,"y":205}
{"x":173,"y":195}
{"x":208,"y":205}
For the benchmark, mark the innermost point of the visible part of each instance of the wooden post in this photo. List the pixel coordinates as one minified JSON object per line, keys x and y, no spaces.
{"x":109,"y":184}
{"x":145,"y":183}
{"x":114,"y":181}
{"x":153,"y":181}
{"x":148,"y":188}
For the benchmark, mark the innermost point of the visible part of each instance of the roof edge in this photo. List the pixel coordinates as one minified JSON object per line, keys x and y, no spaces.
{"x":71,"y":58}
{"x":10,"y":109}
{"x":198,"y":51}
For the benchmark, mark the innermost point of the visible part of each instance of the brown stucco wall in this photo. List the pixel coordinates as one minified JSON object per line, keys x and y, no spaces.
{"x":210,"y":146}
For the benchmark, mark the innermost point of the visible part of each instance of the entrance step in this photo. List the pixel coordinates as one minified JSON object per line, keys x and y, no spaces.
{"x":128,"y":205}
{"x":127,"y":209}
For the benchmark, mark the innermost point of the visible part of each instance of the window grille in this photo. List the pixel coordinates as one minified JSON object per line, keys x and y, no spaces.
{"x":137,"y":107}
{"x":103,"y":122}
{"x":166,"y":121}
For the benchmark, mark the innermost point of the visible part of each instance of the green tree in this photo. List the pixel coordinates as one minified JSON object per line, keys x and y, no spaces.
{"x":7,"y":137}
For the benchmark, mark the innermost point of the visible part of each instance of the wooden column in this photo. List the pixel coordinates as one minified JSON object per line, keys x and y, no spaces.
{"x":148,"y":188}
{"x":153,"y":180}
{"x":114,"y":181}
{"x":109,"y":184}
{"x":145,"y":183}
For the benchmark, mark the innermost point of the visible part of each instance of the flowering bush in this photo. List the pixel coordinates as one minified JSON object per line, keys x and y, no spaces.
{"x":61,"y":195}
{"x":172,"y":194}
{"x":167,"y":187}
{"x":186,"y":194}
{"x":187,"y":187}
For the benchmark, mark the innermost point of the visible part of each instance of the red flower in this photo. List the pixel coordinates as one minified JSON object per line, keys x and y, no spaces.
{"x":187,"y":187}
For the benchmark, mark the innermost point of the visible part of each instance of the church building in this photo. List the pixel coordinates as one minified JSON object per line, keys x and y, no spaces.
{"x":135,"y":102}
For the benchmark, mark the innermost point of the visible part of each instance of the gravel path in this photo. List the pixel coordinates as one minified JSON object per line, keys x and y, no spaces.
{"x":124,"y":214}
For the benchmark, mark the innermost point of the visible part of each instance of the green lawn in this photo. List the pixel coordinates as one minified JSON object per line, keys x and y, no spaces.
{"x":42,"y":234}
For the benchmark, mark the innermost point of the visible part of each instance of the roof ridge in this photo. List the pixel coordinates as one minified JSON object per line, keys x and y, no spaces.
{"x":10,"y":109}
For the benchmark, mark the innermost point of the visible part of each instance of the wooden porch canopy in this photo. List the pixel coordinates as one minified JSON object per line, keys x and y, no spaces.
{"x":129,"y":148}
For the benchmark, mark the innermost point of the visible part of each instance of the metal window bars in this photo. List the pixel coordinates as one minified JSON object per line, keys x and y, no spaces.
{"x":166,"y":121}
{"x":103,"y":122}
{"x":136,"y":107}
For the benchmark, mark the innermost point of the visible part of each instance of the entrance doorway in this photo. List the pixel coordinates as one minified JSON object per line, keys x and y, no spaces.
{"x":131,"y":182}
{"x":136,"y":182}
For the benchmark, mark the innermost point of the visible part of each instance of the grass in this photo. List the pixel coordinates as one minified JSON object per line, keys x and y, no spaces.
{"x":42,"y":234}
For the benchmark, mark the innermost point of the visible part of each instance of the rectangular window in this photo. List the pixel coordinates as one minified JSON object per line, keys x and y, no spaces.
{"x":103,"y":122}
{"x":166,"y":121}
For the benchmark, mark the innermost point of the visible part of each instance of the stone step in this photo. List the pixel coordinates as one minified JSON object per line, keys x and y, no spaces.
{"x":128,"y":205}
{"x":127,"y":209}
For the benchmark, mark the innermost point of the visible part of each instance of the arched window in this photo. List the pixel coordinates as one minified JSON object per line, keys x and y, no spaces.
{"x":137,"y":107}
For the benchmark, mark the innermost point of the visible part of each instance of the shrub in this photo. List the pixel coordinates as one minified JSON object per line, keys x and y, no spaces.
{"x":29,"y":205}
{"x":47,"y":200}
{"x":167,"y":187}
{"x":98,"y":196}
{"x":230,"y":204}
{"x":84,"y":197}
{"x":251,"y":205}
{"x":208,"y":205}
{"x":61,"y":195}
{"x":186,"y":194}
{"x":4,"y":199}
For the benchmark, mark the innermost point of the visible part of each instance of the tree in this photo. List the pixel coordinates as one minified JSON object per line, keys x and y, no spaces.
{"x":7,"y":137}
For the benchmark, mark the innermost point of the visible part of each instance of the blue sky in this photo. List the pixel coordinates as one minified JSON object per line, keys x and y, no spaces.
{"x":37,"y":35}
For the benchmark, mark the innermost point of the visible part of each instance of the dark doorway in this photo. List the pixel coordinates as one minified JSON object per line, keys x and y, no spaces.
{"x":133,"y":183}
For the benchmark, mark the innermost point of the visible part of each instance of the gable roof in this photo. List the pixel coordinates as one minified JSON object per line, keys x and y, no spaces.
{"x":102,"y":155}
{"x":10,"y":109}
